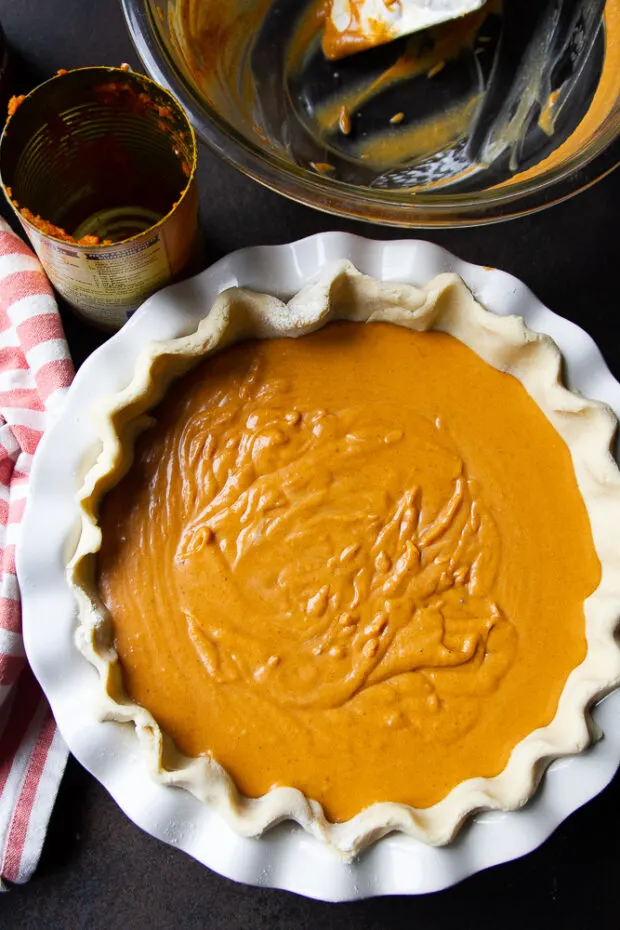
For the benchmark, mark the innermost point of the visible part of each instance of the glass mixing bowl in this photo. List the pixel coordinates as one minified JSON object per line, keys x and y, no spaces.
{"x":499,"y":114}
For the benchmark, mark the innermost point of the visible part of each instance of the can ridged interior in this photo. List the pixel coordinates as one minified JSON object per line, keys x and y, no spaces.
{"x":81,"y":160}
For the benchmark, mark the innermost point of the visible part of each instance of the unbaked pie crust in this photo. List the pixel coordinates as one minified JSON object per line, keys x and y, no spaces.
{"x":504,"y":342}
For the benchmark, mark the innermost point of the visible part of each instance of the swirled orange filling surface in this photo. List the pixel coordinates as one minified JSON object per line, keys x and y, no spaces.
{"x":354,"y":563}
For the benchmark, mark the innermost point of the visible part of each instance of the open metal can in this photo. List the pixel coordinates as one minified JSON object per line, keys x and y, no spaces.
{"x":99,"y":164}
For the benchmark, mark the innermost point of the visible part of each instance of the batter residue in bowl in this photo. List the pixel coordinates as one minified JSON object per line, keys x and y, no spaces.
{"x":333,"y":566}
{"x":503,"y":93}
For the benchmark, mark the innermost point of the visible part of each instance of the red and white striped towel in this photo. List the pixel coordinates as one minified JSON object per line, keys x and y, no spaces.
{"x":35,"y":373}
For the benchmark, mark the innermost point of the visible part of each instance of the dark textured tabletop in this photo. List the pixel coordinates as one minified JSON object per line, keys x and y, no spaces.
{"x":97,"y":868}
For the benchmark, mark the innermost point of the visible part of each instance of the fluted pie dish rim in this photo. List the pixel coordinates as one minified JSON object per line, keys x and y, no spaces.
{"x":285,"y":857}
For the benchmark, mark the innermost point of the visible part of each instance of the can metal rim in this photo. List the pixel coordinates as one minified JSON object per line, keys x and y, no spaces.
{"x":105,"y":69}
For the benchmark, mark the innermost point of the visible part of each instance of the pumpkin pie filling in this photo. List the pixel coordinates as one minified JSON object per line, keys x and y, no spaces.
{"x":353,"y":563}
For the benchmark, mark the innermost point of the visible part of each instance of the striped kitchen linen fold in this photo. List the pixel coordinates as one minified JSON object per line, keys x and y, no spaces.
{"x":35,"y":374}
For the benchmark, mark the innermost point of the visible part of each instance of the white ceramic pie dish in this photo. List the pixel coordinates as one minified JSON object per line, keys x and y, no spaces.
{"x":285,"y":857}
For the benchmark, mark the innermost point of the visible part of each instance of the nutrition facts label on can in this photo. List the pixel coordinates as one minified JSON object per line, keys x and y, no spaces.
{"x":106,"y":283}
